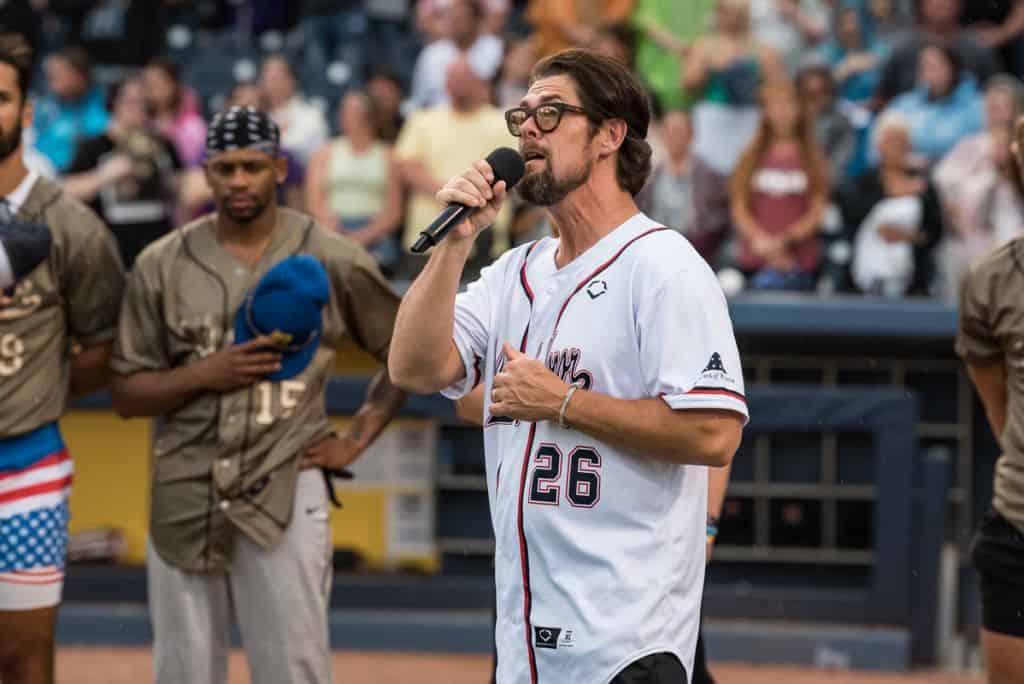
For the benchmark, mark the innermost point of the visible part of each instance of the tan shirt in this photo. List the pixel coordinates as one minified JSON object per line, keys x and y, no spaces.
{"x":73,"y":296}
{"x":992,"y":329}
{"x":227,"y":461}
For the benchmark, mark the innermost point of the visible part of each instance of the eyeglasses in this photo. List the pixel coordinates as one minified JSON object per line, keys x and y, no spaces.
{"x":547,"y":116}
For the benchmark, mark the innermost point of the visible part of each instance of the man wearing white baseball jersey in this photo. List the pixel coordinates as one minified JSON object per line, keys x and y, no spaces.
{"x":613,"y":379}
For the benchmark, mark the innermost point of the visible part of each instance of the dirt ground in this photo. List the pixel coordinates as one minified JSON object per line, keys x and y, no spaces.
{"x":134,"y":666}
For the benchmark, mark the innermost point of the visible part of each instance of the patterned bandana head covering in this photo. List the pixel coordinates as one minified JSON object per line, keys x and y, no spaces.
{"x":242,"y":128}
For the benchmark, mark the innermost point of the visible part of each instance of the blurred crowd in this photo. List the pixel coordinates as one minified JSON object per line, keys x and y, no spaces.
{"x":860,"y":146}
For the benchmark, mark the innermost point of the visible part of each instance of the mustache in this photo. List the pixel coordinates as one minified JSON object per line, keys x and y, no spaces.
{"x":527,"y":149}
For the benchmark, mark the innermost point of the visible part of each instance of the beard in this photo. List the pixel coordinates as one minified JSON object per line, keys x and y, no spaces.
{"x":10,"y":143}
{"x":248,"y":214}
{"x":544,"y":190}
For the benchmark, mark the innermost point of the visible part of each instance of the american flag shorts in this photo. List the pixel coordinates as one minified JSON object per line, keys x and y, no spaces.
{"x":33,"y":511}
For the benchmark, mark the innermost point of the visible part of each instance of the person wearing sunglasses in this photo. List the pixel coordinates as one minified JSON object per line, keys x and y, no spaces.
{"x":611,"y":382}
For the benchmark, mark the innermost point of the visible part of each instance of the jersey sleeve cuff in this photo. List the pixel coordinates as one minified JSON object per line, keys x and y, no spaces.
{"x":473,"y":365}
{"x":709,"y":398}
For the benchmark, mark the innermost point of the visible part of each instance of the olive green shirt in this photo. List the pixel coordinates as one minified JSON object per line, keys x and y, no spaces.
{"x":74,"y":295}
{"x":992,"y":329}
{"x":227,"y":461}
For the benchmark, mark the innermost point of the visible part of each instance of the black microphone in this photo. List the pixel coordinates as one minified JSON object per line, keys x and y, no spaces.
{"x":507,"y":165}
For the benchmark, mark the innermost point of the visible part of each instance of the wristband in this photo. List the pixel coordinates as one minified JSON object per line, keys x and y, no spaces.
{"x":565,"y":405}
{"x":712,"y":526}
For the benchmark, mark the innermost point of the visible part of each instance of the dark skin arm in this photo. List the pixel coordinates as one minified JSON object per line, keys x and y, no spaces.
{"x":90,"y":369}
{"x":155,"y":393}
{"x":334,"y":452}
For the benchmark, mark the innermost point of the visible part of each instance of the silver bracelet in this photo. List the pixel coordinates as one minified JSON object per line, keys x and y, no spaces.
{"x":565,"y":405}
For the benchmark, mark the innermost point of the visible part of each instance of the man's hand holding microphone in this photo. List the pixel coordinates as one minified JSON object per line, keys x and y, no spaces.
{"x":473,"y":199}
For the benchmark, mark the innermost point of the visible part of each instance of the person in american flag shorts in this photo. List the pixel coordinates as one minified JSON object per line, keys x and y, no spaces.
{"x":61,"y":282}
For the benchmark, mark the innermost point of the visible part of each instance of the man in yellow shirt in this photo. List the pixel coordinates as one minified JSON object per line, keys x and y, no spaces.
{"x":440,"y":142}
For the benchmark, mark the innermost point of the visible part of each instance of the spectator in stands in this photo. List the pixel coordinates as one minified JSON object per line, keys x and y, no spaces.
{"x":938,"y":23}
{"x":779,"y":194}
{"x":115,"y":34}
{"x":73,"y":108}
{"x":724,"y":70}
{"x":465,"y":38}
{"x":385,"y":89}
{"x":562,"y":25}
{"x":520,"y":56}
{"x":175,"y":110}
{"x":962,"y":175}
{"x":438,"y":143}
{"x":352,"y":184}
{"x":668,"y":195}
{"x":833,"y":130}
{"x":995,"y":217}
{"x":665,"y":31}
{"x":333,"y":29}
{"x":998,"y":25}
{"x":892,"y":216}
{"x":945,"y":106}
{"x":303,"y":126}
{"x":615,"y":41}
{"x":856,"y":56}
{"x":791,"y":27}
{"x":432,"y":22}
{"x":128,"y":174}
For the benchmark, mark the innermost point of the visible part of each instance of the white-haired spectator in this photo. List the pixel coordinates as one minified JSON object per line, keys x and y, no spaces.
{"x":891,"y":214}
{"x":465,"y":37}
{"x":303,"y":125}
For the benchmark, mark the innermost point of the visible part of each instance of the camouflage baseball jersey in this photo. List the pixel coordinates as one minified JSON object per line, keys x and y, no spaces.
{"x":226,"y":461}
{"x":992,"y":329}
{"x":73,"y":296}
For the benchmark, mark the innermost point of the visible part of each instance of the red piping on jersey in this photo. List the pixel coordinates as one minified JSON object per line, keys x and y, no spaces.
{"x":524,"y":557}
{"x":721,"y":391}
{"x":522,"y":272}
{"x":598,"y":270}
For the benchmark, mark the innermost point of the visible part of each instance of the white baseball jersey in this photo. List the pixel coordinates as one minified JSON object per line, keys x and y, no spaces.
{"x":599,"y":552}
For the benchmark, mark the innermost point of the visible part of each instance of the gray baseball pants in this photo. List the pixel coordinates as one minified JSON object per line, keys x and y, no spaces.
{"x":279,"y":598}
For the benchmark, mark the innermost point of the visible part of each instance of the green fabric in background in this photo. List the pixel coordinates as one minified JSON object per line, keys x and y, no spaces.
{"x":661,"y":69}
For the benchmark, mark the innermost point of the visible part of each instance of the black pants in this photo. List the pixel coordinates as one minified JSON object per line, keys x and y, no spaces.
{"x":998,"y":554}
{"x":657,"y":668}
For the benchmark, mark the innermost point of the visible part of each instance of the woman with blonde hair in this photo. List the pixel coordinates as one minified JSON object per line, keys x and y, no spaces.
{"x":779,"y":193}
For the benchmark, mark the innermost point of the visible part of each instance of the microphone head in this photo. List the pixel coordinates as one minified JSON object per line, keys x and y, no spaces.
{"x":508,"y":166}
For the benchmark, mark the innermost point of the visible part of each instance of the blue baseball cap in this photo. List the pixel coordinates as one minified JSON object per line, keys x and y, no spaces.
{"x":287,"y":304}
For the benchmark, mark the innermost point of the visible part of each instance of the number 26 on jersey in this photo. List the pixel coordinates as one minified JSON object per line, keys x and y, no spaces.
{"x":582,"y":476}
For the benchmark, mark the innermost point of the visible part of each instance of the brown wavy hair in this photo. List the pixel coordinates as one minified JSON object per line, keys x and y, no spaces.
{"x":608,"y":90}
{"x":811,"y":158}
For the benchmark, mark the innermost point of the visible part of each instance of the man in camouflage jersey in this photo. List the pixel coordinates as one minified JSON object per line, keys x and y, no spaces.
{"x":69,"y":300}
{"x":236,"y":451}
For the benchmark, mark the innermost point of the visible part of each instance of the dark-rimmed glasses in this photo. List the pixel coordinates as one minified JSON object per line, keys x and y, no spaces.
{"x":547,"y":116}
